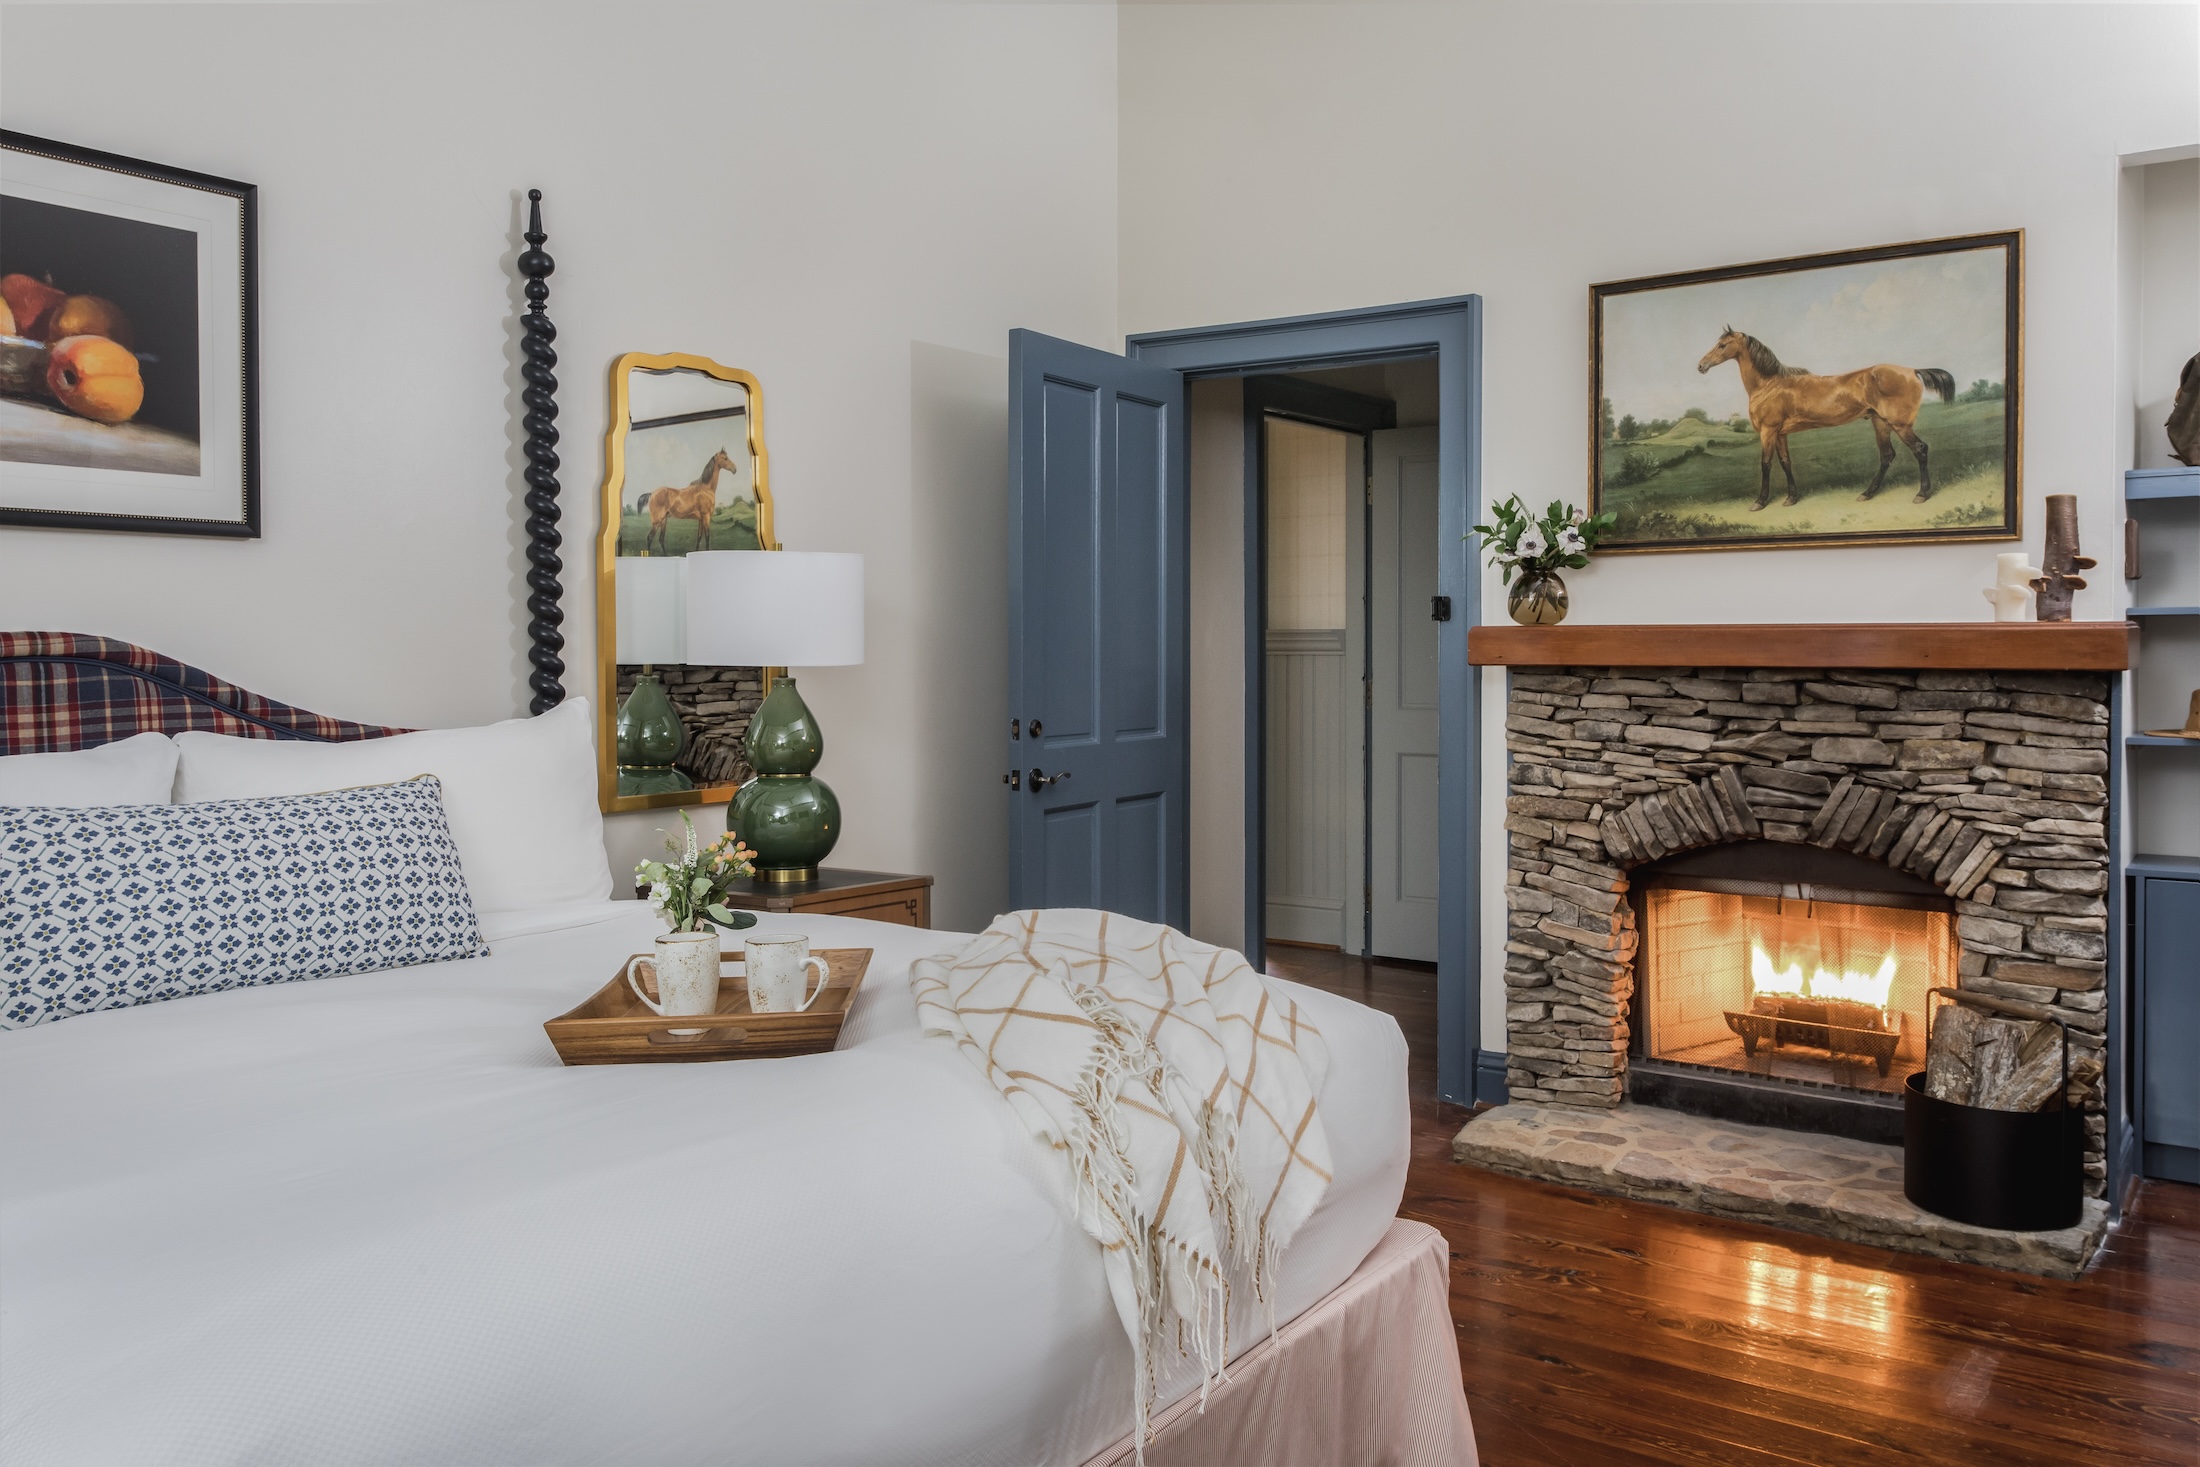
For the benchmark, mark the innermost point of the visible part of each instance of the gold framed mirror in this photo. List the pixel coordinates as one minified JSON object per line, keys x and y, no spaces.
{"x":684,"y":469}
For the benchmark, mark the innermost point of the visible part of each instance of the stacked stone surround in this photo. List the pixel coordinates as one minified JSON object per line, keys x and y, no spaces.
{"x":1991,"y":785}
{"x":715,"y":703}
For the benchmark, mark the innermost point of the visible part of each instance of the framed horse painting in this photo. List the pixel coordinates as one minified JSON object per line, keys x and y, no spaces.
{"x":1866,"y":397}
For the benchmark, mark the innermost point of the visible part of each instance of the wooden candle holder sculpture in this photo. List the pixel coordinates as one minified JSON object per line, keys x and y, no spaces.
{"x":2057,"y":585}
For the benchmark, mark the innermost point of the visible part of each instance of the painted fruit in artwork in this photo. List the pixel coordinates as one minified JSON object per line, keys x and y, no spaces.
{"x":89,"y":315}
{"x":29,"y":301}
{"x":95,"y":377}
{"x":7,"y":320}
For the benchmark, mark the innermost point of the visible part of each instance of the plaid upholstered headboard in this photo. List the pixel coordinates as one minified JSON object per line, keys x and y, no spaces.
{"x":61,"y":691}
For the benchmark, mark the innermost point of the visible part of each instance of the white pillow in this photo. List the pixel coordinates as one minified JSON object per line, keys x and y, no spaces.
{"x":138,"y":770}
{"x":521,"y":795}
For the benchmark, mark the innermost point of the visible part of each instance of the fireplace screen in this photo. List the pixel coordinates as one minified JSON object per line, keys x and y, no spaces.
{"x":1823,"y":991}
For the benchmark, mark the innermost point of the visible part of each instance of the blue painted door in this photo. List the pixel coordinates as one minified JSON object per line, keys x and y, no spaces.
{"x":1098,"y":648}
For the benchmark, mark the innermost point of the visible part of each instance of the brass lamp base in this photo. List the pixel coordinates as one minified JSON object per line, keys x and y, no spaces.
{"x":784,"y":875}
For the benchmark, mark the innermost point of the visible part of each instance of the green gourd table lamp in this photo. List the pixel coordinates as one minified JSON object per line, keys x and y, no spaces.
{"x":652,"y":622}
{"x":779,"y":608}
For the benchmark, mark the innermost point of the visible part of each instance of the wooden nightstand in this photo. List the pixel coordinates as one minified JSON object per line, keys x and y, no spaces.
{"x":881,"y":896}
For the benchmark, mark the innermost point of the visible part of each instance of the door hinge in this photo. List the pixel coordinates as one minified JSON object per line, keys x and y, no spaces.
{"x":1014,"y":779}
{"x":1367,"y":692}
{"x":1015,"y":728}
{"x":1439,"y":608}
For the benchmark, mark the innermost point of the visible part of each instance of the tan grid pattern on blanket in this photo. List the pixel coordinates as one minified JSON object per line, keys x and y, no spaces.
{"x":1179,"y":1089}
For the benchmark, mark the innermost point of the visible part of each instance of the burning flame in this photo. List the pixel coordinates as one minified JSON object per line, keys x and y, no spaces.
{"x":1865,"y":988}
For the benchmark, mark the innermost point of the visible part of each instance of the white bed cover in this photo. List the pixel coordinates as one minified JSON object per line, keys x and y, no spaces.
{"x":373,"y":1220}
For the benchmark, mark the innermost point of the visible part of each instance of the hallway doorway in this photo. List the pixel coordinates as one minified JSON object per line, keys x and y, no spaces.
{"x":1227,"y":696}
{"x":1347,"y":472}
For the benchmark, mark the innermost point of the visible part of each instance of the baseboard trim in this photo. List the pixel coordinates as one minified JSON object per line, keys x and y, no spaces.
{"x":1489,"y":1077}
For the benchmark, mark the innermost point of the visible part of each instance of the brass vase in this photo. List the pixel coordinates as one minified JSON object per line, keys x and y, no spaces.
{"x":1537,"y":598}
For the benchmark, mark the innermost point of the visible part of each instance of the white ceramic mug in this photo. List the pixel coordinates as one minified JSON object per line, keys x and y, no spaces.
{"x":778,"y":969}
{"x":684,"y":972}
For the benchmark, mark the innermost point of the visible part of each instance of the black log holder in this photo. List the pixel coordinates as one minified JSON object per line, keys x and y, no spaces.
{"x":2020,"y":1171}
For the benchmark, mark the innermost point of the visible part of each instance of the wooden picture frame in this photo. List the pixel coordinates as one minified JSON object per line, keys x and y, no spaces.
{"x":1910,"y":432}
{"x":129,"y":390}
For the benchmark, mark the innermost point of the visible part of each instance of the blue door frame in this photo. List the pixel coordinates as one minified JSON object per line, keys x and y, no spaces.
{"x":1451,"y":331}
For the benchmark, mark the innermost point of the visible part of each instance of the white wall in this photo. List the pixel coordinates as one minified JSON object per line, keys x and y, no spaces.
{"x":805,"y":191}
{"x":1523,"y":152}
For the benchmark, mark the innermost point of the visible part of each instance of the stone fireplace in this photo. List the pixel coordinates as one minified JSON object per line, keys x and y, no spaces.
{"x":1750,"y":875}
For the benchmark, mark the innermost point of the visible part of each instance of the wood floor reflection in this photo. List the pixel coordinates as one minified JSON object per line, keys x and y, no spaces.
{"x":1599,"y":1332}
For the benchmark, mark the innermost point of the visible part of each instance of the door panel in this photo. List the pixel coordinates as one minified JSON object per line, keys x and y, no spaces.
{"x":1098,"y":646}
{"x":1072,"y":857}
{"x":1402,"y":723}
{"x":1141,"y":858}
{"x":1416,"y":826}
{"x":1067,"y":592}
{"x":1136,"y":580}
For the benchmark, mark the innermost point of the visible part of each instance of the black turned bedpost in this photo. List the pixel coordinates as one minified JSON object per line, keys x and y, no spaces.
{"x":540,"y":397}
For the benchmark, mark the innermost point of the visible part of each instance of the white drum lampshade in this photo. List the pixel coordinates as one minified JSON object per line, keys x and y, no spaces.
{"x":774,"y":608}
{"x":652,"y":609}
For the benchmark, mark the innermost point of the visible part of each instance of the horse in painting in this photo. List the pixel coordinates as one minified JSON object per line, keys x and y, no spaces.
{"x":697,"y":502}
{"x":1784,"y":400}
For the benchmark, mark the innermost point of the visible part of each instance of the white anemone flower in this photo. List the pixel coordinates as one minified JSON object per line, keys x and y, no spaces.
{"x":1531,"y":543}
{"x":1570,"y":541}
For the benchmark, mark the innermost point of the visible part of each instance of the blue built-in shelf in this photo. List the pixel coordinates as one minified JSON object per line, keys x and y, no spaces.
{"x":2162,"y":611}
{"x":2162,"y":484}
{"x":2184,"y":868}
{"x":2150,"y":741}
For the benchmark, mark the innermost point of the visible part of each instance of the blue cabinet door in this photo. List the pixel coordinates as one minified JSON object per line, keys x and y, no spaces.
{"x":2169,"y":1020}
{"x":1098,"y":647}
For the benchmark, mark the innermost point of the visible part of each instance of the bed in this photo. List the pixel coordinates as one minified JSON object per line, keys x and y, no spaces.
{"x":371,"y":1219}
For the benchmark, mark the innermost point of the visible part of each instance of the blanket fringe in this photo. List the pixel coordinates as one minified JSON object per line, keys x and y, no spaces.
{"x":1175,"y":1285}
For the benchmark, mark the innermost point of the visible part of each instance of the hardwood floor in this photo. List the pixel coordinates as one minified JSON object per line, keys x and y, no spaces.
{"x":1608,"y":1333}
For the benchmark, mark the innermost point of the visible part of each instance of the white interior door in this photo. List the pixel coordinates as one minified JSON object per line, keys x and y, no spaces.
{"x":1402,"y":696}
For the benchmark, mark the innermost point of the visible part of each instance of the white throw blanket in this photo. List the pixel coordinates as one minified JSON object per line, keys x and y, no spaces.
{"x":1179,"y":1092}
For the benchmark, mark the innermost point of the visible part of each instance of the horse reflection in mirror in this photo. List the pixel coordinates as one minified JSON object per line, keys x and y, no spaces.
{"x":697,"y":502}
{"x":1784,"y":400}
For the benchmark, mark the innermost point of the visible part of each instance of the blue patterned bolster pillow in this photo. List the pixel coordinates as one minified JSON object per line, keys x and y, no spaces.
{"x":106,"y":908}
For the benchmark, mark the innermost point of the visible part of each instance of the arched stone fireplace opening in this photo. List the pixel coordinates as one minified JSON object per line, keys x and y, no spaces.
{"x":1728,"y":890}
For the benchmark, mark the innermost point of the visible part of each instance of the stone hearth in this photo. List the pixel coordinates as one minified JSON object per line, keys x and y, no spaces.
{"x":1827,"y":1185}
{"x":1990,"y":785}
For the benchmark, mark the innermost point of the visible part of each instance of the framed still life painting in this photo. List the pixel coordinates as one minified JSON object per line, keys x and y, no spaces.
{"x":1866,"y":397}
{"x":128,"y":344}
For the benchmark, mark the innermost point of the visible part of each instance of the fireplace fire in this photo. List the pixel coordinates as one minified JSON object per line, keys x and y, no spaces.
{"x":1789,"y":980}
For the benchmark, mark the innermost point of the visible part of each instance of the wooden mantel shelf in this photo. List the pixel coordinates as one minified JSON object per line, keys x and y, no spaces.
{"x":2067,"y":646}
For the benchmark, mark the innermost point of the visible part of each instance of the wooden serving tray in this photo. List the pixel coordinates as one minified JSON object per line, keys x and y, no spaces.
{"x":614,"y":1028}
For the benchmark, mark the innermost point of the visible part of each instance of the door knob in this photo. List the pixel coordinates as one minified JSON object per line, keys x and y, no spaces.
{"x":1040,"y":781}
